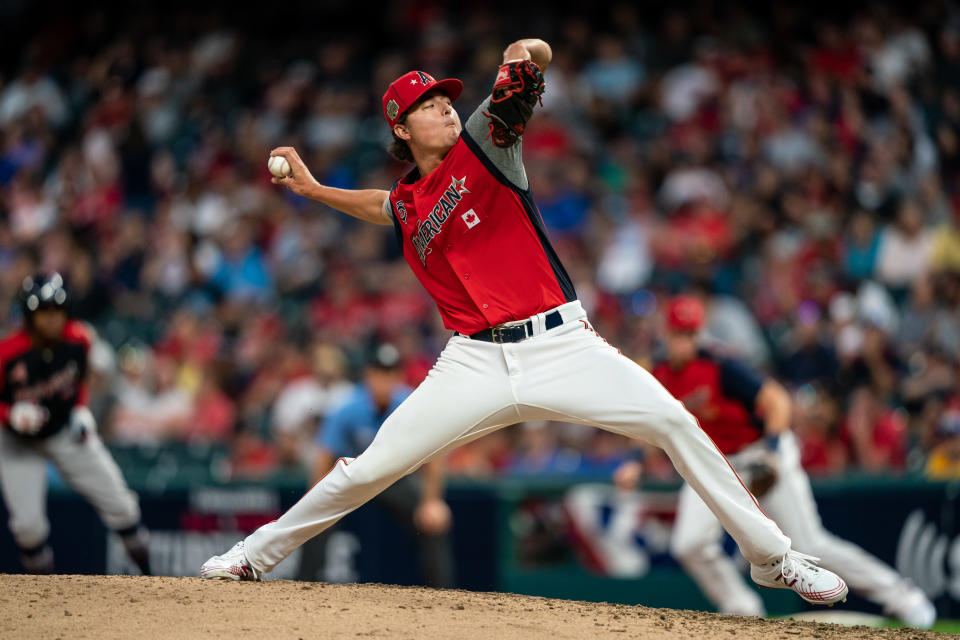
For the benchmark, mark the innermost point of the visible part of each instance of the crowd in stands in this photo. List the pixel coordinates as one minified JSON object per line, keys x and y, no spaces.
{"x":801,"y":173}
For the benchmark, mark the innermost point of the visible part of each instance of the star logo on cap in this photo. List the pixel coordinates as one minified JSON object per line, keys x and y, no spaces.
{"x":393,"y":109}
{"x":414,"y":81}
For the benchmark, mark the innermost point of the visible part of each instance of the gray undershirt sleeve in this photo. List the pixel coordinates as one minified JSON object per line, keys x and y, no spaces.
{"x":509,"y":160}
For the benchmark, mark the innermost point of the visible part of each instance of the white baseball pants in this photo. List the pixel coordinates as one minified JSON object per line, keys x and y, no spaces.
{"x":86,"y":466}
{"x":569,"y":374}
{"x":696,"y":539}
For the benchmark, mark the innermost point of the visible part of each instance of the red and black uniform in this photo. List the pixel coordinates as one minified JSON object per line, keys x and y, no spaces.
{"x":721,"y":393}
{"x":470,"y":230}
{"x":51,"y":376}
{"x":476,"y":242}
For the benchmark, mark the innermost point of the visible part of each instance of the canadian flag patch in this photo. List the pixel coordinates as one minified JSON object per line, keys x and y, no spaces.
{"x":471,"y":218}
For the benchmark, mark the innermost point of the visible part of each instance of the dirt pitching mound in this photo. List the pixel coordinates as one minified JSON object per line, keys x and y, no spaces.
{"x":145,"y":608}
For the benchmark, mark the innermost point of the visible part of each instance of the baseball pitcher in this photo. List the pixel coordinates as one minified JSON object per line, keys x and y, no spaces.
{"x":44,"y":417}
{"x":748,"y":416}
{"x":522,"y":348}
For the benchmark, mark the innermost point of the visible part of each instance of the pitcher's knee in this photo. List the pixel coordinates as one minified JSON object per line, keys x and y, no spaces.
{"x":364,"y":473}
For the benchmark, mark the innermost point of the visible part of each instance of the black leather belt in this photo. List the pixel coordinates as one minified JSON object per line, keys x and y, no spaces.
{"x":517,"y":332}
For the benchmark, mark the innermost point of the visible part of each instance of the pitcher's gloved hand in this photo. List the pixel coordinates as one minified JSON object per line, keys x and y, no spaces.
{"x":763,"y":475}
{"x":82,"y":423}
{"x":516,"y":91}
{"x":28,"y":418}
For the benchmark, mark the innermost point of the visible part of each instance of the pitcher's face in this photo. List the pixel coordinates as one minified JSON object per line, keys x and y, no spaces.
{"x":432,"y":124}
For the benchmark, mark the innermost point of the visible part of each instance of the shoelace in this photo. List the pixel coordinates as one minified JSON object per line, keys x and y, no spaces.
{"x":793,"y":563}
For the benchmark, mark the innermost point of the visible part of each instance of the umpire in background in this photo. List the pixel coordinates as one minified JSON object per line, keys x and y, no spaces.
{"x":416,"y":501}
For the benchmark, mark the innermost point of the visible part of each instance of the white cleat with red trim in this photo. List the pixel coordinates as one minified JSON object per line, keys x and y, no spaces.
{"x":797,"y":571}
{"x":232,"y":565}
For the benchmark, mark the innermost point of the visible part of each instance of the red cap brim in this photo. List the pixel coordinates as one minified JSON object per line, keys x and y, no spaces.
{"x":451,"y":86}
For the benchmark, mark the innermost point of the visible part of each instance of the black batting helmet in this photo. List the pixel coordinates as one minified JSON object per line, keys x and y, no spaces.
{"x":42,"y":291}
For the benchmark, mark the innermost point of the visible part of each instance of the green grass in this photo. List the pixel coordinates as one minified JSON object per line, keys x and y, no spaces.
{"x":852,"y":617}
{"x":943,"y":626}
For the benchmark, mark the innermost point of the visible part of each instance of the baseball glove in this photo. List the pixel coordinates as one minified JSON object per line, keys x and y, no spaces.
{"x":763,"y":475}
{"x":516,"y":92}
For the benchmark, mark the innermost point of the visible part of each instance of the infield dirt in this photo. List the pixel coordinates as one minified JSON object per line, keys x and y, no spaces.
{"x":96,"y":607}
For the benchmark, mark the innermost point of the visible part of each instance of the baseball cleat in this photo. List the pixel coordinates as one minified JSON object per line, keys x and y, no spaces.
{"x":232,"y":565}
{"x":797,"y":571}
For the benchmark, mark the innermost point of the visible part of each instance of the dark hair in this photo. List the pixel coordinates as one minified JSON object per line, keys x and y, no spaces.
{"x":398,"y":147}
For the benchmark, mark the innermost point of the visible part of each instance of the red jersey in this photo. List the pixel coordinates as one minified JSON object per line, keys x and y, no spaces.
{"x":721,"y":394}
{"x":53,"y":377}
{"x":474,"y":237}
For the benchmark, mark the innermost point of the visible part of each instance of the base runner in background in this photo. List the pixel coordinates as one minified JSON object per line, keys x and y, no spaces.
{"x":44,"y":417}
{"x":415,"y":502}
{"x":523,"y":348}
{"x":749,"y":419}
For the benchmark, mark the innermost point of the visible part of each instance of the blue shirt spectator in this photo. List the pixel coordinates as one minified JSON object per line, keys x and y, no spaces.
{"x":861,"y":247}
{"x":245,"y":276}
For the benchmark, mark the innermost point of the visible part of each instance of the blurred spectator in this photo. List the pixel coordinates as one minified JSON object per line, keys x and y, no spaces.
{"x":812,"y":359}
{"x":612,"y":74}
{"x":862,"y":244}
{"x":817,"y":422}
{"x":944,"y":463}
{"x":905,"y":248}
{"x":150,"y":408}
{"x":32,"y":90}
{"x":488,"y":456}
{"x":214,"y":413}
{"x":240,"y":272}
{"x":686,"y":86}
{"x":876,"y":366}
{"x":306,"y":400}
{"x":874,"y":434}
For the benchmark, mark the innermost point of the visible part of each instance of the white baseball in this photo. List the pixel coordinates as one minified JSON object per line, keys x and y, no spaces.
{"x":278,"y":166}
